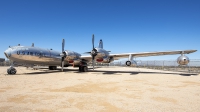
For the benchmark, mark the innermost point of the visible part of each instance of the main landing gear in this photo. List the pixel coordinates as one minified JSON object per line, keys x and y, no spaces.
{"x":52,"y":67}
{"x":11,"y":70}
{"x":83,"y":67}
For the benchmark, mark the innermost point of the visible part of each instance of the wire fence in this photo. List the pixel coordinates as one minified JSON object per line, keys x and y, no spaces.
{"x":5,"y":63}
{"x":168,"y":65}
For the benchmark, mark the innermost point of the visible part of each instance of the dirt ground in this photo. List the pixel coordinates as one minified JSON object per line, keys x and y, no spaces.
{"x":120,"y":89}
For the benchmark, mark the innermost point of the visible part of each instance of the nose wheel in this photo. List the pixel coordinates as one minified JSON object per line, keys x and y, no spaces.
{"x":11,"y":71}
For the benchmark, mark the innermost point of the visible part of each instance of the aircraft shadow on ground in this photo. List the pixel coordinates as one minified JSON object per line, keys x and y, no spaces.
{"x":42,"y":72}
{"x":140,"y":72}
{"x":105,"y":72}
{"x":46,"y":71}
{"x":132,"y":72}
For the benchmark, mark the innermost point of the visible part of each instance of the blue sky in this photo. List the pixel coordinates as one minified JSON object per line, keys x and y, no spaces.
{"x":123,"y":25}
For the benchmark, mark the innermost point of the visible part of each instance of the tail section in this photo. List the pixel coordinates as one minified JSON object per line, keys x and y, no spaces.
{"x":101,"y":44}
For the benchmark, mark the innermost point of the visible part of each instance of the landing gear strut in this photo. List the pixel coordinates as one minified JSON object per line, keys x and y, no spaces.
{"x":11,"y":71}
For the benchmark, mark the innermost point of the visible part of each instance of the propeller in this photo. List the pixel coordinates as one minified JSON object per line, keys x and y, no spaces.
{"x":93,"y":52}
{"x":63,"y":54}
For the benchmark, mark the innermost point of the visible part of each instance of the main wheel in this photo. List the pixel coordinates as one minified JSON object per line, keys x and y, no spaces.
{"x":85,"y":69}
{"x":79,"y":69}
{"x":52,"y":67}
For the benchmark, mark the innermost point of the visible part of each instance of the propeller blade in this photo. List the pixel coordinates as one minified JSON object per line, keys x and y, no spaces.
{"x":86,"y":52}
{"x":63,"y":45}
{"x":93,"y":41}
{"x":63,"y":55}
{"x":93,"y":52}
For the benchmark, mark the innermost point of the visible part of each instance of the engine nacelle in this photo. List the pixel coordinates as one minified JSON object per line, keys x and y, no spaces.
{"x":183,"y":60}
{"x":71,"y":55}
{"x":105,"y":60}
{"x":131,"y":63}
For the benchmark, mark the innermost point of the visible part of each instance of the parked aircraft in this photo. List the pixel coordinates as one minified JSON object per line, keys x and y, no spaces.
{"x":38,"y":56}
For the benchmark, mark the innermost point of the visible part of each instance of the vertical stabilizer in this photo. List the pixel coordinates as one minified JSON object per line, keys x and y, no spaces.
{"x":101,"y":44}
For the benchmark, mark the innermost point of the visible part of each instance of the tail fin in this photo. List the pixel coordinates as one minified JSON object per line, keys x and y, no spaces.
{"x":101,"y":44}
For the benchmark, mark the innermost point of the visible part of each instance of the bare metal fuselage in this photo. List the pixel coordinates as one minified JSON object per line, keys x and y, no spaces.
{"x":34,"y":55}
{"x":39,"y":56}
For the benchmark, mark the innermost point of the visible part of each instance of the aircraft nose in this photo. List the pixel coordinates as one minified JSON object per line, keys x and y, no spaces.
{"x":7,"y":53}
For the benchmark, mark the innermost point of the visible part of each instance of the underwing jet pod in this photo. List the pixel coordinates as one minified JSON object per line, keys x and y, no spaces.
{"x":39,"y":56}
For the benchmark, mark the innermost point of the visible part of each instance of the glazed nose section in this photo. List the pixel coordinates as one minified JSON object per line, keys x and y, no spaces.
{"x":7,"y":53}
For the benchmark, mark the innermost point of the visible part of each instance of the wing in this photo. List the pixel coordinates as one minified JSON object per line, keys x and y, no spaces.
{"x":87,"y":58}
{"x":145,"y":54}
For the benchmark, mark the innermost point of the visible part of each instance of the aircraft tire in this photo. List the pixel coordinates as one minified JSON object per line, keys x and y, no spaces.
{"x":11,"y":71}
{"x":52,"y":67}
{"x":128,"y":63}
{"x":80,"y":69}
{"x":85,"y":69}
{"x":8,"y":70}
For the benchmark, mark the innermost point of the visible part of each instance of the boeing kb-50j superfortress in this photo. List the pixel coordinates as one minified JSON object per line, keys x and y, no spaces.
{"x":38,"y":56}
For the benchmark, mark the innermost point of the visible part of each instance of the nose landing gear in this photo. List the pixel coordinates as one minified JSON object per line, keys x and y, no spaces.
{"x":11,"y":71}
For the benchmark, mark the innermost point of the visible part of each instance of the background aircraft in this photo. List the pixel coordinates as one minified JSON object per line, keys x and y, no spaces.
{"x":39,"y":56}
